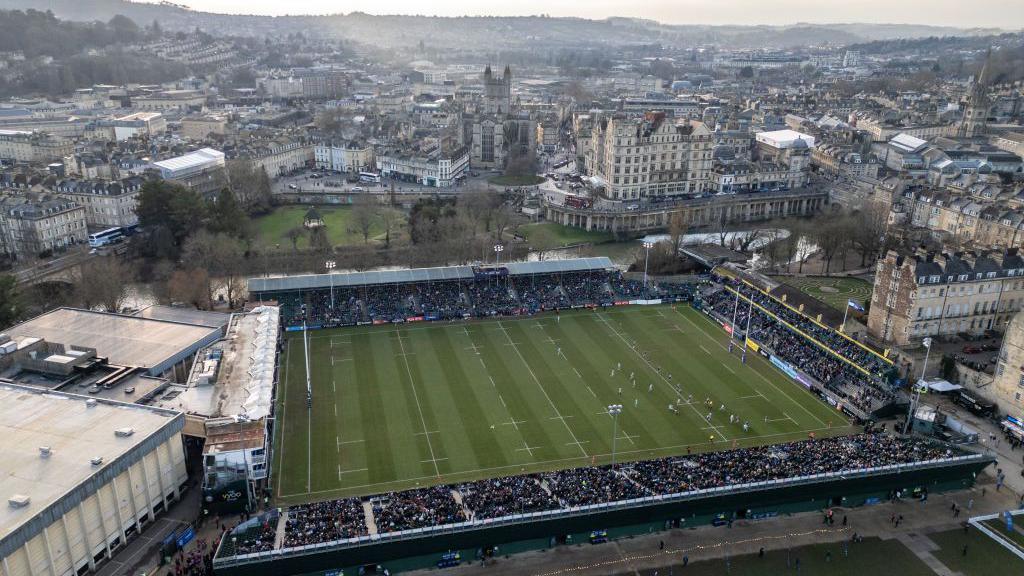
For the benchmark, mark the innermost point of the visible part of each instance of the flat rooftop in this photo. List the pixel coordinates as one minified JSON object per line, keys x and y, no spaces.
{"x":74,"y":432}
{"x":185,"y":315}
{"x":123,"y":340}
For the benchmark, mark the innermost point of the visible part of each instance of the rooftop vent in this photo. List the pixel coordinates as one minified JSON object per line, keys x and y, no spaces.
{"x":124,"y":432}
{"x":19,"y":501}
{"x":96,"y":460}
{"x":90,"y":403}
{"x":45,"y":451}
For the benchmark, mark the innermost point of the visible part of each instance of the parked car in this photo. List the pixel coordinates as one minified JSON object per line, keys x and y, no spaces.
{"x":971,"y":349}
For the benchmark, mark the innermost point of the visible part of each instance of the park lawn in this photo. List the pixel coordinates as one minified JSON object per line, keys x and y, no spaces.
{"x":523,"y":180}
{"x":984,"y":556}
{"x":552,"y":235}
{"x":404,"y":405}
{"x":871,"y":556}
{"x":272,"y":228}
{"x":832,"y":290}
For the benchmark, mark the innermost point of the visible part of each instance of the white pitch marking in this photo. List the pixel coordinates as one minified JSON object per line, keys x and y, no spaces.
{"x":430,"y":432}
{"x":340,"y":471}
{"x":434,"y":460}
{"x":543,"y":391}
{"x":705,"y":350}
{"x":728,"y":368}
{"x":591,"y":392}
{"x":577,"y":372}
{"x":528,"y":449}
{"x":502,"y":401}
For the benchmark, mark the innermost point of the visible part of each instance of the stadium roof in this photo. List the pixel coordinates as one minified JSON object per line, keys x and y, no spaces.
{"x":125,"y":340}
{"x":75,"y":434}
{"x":312,"y":281}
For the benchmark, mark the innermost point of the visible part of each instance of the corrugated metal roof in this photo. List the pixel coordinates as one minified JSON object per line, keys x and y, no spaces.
{"x":340,"y":280}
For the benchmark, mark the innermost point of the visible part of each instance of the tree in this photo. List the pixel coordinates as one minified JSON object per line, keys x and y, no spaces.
{"x":390,"y":220}
{"x":10,"y":300}
{"x":747,"y":72}
{"x":221,"y":256}
{"x":190,"y":286}
{"x":318,"y":240}
{"x":169,"y":208}
{"x":294,"y":235}
{"x":251,"y":186}
{"x":364,"y":213}
{"x":868,"y":236}
{"x":676,"y":231}
{"x":542,"y":239}
{"x":225,"y":216}
{"x":104,"y":283}
{"x":831,"y":235}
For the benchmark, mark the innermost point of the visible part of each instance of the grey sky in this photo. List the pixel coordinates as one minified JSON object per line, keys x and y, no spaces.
{"x":1008,"y":14}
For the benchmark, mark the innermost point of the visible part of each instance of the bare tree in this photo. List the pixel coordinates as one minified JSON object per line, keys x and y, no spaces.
{"x":391,"y":221}
{"x":190,"y":286}
{"x":868,"y":236}
{"x":831,"y":235}
{"x":677,"y":231}
{"x":294,"y":235}
{"x":364,"y":213}
{"x":221,"y":256}
{"x":105,"y":282}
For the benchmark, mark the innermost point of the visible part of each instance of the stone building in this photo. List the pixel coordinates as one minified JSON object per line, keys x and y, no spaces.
{"x":927,"y":294}
{"x":1008,"y":384}
{"x":650,"y":156}
{"x":33,"y":224}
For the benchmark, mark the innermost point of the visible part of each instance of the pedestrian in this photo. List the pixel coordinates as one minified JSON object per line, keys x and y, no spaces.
{"x":844,"y":519}
{"x":963,"y":552}
{"x":828,"y":556}
{"x":661,"y":544}
{"x":686,"y":560}
{"x":760,"y":553}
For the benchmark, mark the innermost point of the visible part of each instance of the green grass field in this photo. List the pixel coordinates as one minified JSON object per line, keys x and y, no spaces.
{"x":831,"y":290}
{"x":509,"y":180}
{"x":548,"y":235}
{"x":272,"y":228}
{"x":984,"y":555}
{"x":396,"y":407}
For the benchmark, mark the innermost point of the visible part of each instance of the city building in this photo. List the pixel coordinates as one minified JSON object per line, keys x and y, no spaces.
{"x":203,"y":170}
{"x":139,"y":124}
{"x":928,"y":294}
{"x":1008,"y":383}
{"x":429,"y":164}
{"x":198,"y":128}
{"x":107,"y":204}
{"x":351,"y":157}
{"x":647,"y":156}
{"x":278,"y":158}
{"x":976,"y":108}
{"x":82,"y":476}
{"x":171,"y":100}
{"x":34,"y":224}
{"x":33,"y":147}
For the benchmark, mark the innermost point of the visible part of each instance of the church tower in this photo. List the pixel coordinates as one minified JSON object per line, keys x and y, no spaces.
{"x":976,"y":107}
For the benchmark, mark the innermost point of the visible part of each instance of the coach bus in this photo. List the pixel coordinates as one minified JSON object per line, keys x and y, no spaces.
{"x":108,"y":236}
{"x":369,"y":177}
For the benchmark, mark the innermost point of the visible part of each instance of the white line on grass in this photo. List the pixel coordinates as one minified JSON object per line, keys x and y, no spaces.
{"x":416,"y":396}
{"x":284,"y":403}
{"x":543,"y":391}
{"x":650,"y":368}
{"x":591,"y":392}
{"x":762,"y":376}
{"x":577,"y":372}
{"x":478,"y":471}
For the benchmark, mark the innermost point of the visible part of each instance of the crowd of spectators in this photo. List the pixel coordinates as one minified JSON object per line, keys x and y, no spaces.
{"x":417,"y":508}
{"x":867,"y":392}
{"x":197,"y":562}
{"x":499,"y":497}
{"x":494,"y":498}
{"x":481,"y":297}
{"x":324,"y":522}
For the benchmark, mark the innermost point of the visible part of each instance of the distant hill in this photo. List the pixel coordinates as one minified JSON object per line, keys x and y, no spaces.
{"x":525,"y":31}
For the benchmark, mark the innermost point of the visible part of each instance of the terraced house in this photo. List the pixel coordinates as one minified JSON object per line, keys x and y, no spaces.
{"x":107,"y":203}
{"x":33,"y":224}
{"x":928,"y":294}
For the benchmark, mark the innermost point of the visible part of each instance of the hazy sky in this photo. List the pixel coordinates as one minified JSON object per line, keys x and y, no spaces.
{"x":965,"y":13}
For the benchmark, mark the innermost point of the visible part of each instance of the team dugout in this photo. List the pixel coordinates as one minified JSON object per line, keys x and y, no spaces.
{"x":341,"y":299}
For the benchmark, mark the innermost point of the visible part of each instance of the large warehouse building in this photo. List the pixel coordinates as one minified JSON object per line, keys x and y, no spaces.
{"x":81,"y":476}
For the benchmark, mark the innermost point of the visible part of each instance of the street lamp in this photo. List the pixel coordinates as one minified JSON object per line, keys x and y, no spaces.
{"x":916,"y":398}
{"x":647,"y":253}
{"x":614,"y":410}
{"x":331,"y":264}
{"x":498,"y":249}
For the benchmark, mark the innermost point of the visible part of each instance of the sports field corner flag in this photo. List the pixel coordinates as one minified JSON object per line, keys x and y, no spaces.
{"x":855,"y":305}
